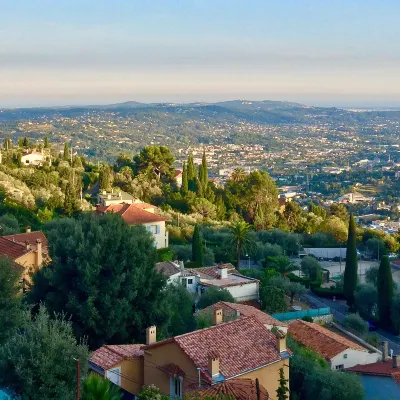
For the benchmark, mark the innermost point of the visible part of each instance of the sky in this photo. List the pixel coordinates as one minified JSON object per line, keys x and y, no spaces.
{"x":319,"y":52}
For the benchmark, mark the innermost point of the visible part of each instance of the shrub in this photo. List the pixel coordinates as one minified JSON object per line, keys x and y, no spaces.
{"x":356,"y":323}
{"x":327,"y":292}
{"x":164,"y":255}
{"x":213,"y":295}
{"x":373,"y":339}
{"x":307,"y":318}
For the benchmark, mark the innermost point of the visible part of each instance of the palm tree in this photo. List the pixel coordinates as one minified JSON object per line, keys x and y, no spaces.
{"x":282,"y":264}
{"x":241,"y":239}
{"x":237,"y":175}
{"x":97,"y":388}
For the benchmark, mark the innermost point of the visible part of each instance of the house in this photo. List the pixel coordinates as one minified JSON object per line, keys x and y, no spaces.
{"x":339,"y":352}
{"x":33,"y":158}
{"x":381,"y":380}
{"x":170,"y":269}
{"x":25,"y":249}
{"x":240,"y":389}
{"x":144,"y":214}
{"x":105,"y":198}
{"x":178,"y":177}
{"x":223,"y":276}
{"x":227,"y":357}
{"x":235,"y":310}
{"x":240,"y":349}
{"x":353,"y":198}
{"x":121,"y":364}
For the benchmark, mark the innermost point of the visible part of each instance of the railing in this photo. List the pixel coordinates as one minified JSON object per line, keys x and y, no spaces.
{"x":300,"y":314}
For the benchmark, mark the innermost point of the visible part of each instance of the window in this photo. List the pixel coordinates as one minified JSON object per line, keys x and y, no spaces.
{"x":344,"y":355}
{"x":190,"y":281}
{"x":114,"y":375}
{"x":341,"y":366}
{"x":176,"y":388}
{"x":154,"y":229}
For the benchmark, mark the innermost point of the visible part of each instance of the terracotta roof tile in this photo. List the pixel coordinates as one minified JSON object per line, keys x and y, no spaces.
{"x":11,"y":249}
{"x":109,"y":355}
{"x":167,"y":268}
{"x":213,"y":272}
{"x":325,"y":342}
{"x":29,"y":237}
{"x":132,"y":214}
{"x":242,"y":345}
{"x":378,"y":369}
{"x":240,"y":389}
{"x":230,"y":310}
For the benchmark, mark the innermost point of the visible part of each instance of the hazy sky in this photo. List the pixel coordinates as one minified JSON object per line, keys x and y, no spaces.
{"x":336,"y":52}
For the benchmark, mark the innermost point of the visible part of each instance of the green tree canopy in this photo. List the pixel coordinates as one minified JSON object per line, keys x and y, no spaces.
{"x":158,"y":161}
{"x":66,"y":155}
{"x":272,"y":299}
{"x":213,"y":295}
{"x":385,"y":291}
{"x":102,"y":273}
{"x":37,"y":361}
{"x":198,"y":247}
{"x":106,"y":178}
{"x":10,"y":298}
{"x":339,"y":210}
{"x":240,"y":239}
{"x":351,"y":268}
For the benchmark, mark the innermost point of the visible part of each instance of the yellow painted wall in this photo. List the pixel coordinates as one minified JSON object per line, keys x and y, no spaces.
{"x":269,"y":376}
{"x":28,"y":262}
{"x":132,"y":369}
{"x":166,"y":354}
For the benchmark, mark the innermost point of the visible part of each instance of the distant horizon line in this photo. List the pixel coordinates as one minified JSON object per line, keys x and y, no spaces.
{"x":202,"y":102}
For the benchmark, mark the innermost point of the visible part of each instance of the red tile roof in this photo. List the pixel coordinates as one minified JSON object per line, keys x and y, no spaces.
{"x":132,"y":214}
{"x":240,"y":389}
{"x":30,"y":237}
{"x":378,"y":369}
{"x":178,"y":173}
{"x":109,"y":355}
{"x":11,"y":249}
{"x":213,"y":272}
{"x":242,"y":345}
{"x":325,"y":342}
{"x":167,"y":268}
{"x":230,"y":310}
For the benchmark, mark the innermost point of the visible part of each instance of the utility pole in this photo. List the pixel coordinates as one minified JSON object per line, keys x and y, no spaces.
{"x":71,"y":155}
{"x":78,"y":379}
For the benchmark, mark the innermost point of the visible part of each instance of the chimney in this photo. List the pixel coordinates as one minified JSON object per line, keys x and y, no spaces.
{"x":395,"y":362}
{"x":223,"y":272}
{"x":39,"y":253}
{"x":213,"y":364}
{"x":181,"y":266}
{"x":385,"y":351}
{"x":217,"y":317}
{"x":28,"y":229}
{"x":280,"y":340}
{"x":237,"y":313}
{"x":27,"y":245}
{"x":151,"y":333}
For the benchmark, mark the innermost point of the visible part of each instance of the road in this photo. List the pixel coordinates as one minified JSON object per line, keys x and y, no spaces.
{"x":339,"y":311}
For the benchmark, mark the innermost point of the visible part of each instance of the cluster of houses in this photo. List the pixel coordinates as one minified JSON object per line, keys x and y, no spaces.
{"x":240,"y":354}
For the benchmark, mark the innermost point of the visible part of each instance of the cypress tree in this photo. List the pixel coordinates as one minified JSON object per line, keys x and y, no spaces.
{"x":46,"y":143}
{"x":204,"y":171}
{"x":70,"y":201}
{"x":350,"y":272}
{"x":385,"y":291}
{"x":66,"y":152}
{"x":192,"y":174}
{"x":197,"y":247}
{"x":185,"y":183}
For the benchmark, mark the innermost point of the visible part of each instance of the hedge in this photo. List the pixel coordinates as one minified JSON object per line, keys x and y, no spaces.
{"x":294,"y":278}
{"x":327,"y":292}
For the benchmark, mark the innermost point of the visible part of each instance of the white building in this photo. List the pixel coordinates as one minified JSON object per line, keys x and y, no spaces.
{"x":338,"y":351}
{"x":105,"y":198}
{"x":144,"y":214}
{"x":33,"y":158}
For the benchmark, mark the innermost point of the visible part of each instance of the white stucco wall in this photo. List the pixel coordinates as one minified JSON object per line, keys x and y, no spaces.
{"x":161,"y":238}
{"x":354,"y":357}
{"x":249,"y":291}
{"x":32,"y":159}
